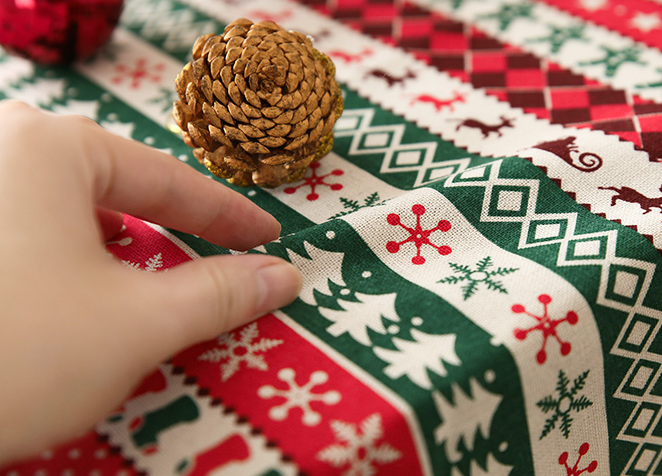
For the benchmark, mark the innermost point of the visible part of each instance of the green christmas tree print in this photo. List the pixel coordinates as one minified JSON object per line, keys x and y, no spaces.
{"x":509,"y":13}
{"x":563,"y":403}
{"x":474,"y":276}
{"x":354,"y":205}
{"x":615,"y":58}
{"x":559,"y":36}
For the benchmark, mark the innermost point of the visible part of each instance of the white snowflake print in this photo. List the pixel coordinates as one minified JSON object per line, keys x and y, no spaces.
{"x":246,"y":349}
{"x":360,"y":448}
{"x":299,"y":396}
{"x":151,"y":265}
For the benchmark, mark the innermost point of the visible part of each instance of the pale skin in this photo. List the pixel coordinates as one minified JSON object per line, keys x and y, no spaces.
{"x":78,"y":330}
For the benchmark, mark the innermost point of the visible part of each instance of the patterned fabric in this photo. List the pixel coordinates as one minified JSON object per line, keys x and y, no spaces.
{"x":480,"y":250}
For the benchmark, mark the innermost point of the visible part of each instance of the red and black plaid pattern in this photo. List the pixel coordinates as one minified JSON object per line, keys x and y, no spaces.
{"x":536,"y":85}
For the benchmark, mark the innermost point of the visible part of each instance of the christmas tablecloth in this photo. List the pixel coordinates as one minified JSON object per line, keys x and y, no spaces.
{"x":480,"y":250}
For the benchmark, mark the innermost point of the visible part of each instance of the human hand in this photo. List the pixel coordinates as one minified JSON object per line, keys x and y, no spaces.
{"x":77,"y":329}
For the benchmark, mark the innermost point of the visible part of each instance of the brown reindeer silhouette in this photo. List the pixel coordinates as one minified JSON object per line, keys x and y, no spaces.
{"x":630,"y":195}
{"x":486,"y":129}
{"x":390,"y":80}
{"x":439,"y":104}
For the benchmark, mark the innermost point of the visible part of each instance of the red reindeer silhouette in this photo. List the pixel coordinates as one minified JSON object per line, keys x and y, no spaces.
{"x":486,"y":129}
{"x":276,"y":17}
{"x":630,"y":195}
{"x":350,"y":57}
{"x":439,"y":104}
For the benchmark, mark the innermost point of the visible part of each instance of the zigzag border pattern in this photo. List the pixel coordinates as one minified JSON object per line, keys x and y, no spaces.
{"x":608,"y":262}
{"x":397,"y":157}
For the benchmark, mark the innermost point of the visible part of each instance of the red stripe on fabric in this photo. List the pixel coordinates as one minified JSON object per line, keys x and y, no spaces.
{"x":641,"y":20}
{"x":142,"y":247}
{"x":248,"y":390}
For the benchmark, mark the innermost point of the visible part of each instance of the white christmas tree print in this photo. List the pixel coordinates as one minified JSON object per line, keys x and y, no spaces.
{"x":14,"y":69}
{"x":231,"y":352}
{"x":299,"y":396}
{"x":151,"y":265}
{"x":461,"y":420}
{"x":426,"y":352}
{"x":329,"y":262}
{"x":492,"y":468}
{"x":358,"y":317}
{"x":42,"y":92}
{"x":178,"y":28}
{"x":359,"y":447}
{"x":124,"y":129}
{"x":73,"y":106}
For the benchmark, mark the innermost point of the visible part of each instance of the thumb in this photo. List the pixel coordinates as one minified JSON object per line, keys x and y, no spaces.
{"x":204,"y":298}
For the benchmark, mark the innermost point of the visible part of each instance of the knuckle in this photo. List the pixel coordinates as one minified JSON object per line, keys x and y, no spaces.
{"x":222,"y":300}
{"x":8,"y":105}
{"x":77,"y":120}
{"x":231,"y":296}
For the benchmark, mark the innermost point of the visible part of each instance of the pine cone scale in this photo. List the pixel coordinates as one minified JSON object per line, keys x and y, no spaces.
{"x":223,"y":114}
{"x":220,"y":92}
{"x":250,"y":110}
{"x":251,"y":131}
{"x":281,"y":130}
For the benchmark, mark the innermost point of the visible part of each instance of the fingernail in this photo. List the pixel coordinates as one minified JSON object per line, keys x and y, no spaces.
{"x":278,"y":285}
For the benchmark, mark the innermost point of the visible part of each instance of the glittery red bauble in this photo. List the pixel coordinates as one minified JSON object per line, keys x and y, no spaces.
{"x":57,"y":31}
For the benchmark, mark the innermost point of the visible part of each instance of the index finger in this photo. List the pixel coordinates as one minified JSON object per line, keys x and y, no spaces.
{"x":152,"y":185}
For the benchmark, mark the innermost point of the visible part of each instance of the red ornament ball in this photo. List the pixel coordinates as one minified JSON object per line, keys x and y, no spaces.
{"x":57,"y":31}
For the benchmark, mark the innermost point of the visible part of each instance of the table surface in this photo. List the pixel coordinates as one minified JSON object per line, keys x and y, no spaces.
{"x":480,"y":250}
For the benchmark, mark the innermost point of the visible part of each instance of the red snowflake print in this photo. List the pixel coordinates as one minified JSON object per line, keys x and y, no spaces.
{"x":315,"y":180}
{"x":575,"y":471}
{"x":139,"y":73}
{"x":546,"y":325}
{"x":417,"y":235}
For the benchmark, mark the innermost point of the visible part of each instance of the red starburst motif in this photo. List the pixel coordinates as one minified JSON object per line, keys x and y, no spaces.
{"x":315,"y":180}
{"x":139,"y":73}
{"x":546,"y":325}
{"x":575,"y":471}
{"x":417,"y":235}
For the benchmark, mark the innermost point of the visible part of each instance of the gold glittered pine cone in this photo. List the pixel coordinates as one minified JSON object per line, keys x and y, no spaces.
{"x":258,"y":103}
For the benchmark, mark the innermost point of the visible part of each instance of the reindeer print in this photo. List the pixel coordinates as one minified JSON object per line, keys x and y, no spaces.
{"x":390,"y":80}
{"x":630,"y":195}
{"x":439,"y":104}
{"x":486,"y":129}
